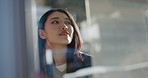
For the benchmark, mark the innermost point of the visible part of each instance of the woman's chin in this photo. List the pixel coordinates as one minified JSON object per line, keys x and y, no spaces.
{"x":66,"y":40}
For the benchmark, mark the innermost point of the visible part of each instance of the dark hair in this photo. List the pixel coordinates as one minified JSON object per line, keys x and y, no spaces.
{"x":76,"y":43}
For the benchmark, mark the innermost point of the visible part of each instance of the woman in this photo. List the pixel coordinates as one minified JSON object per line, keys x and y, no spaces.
{"x":59,"y":32}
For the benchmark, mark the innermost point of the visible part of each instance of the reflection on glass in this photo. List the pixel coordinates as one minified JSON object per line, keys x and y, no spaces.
{"x":115,"y":33}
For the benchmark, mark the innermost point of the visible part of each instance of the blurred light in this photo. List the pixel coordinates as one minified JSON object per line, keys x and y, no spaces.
{"x":49,"y":56}
{"x":115,"y":14}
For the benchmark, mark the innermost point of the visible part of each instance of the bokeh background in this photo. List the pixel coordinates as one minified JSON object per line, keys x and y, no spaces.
{"x":115,"y":33}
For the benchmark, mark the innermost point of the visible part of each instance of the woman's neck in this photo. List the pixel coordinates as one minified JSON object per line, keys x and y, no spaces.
{"x":59,"y":55}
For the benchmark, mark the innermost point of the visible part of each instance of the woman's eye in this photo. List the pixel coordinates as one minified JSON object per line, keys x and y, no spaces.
{"x":68,"y":22}
{"x":55,"y":22}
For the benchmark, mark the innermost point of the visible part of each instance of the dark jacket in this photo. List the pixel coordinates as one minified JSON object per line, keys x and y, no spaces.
{"x":75,"y":61}
{"x":79,"y":61}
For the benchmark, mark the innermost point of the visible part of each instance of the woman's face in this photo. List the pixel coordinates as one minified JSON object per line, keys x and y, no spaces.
{"x":58,"y":29}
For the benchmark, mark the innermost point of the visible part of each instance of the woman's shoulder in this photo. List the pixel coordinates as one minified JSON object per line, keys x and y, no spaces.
{"x":80,"y":60}
{"x":85,"y":58}
{"x":84,"y":54}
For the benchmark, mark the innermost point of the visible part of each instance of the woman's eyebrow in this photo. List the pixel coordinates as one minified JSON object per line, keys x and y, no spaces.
{"x":54,"y":18}
{"x":67,"y":18}
{"x":58,"y":18}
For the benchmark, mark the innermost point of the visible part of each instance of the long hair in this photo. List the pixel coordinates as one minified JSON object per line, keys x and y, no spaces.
{"x":75,"y":44}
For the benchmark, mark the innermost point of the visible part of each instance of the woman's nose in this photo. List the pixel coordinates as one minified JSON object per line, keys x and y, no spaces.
{"x":64,"y":27}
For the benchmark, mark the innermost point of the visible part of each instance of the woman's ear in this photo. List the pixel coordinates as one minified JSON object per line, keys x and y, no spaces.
{"x":42,"y":34}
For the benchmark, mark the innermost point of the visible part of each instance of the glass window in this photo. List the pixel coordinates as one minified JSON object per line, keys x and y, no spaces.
{"x":114,"y":32}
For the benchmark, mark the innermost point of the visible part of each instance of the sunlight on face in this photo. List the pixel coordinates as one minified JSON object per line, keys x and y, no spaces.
{"x":58,"y":29}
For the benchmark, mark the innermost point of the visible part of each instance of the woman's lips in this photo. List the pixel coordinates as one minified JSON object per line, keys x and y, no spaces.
{"x":64,"y":33}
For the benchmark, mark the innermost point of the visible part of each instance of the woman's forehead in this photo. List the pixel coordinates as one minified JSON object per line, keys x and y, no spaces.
{"x":57,"y":15}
